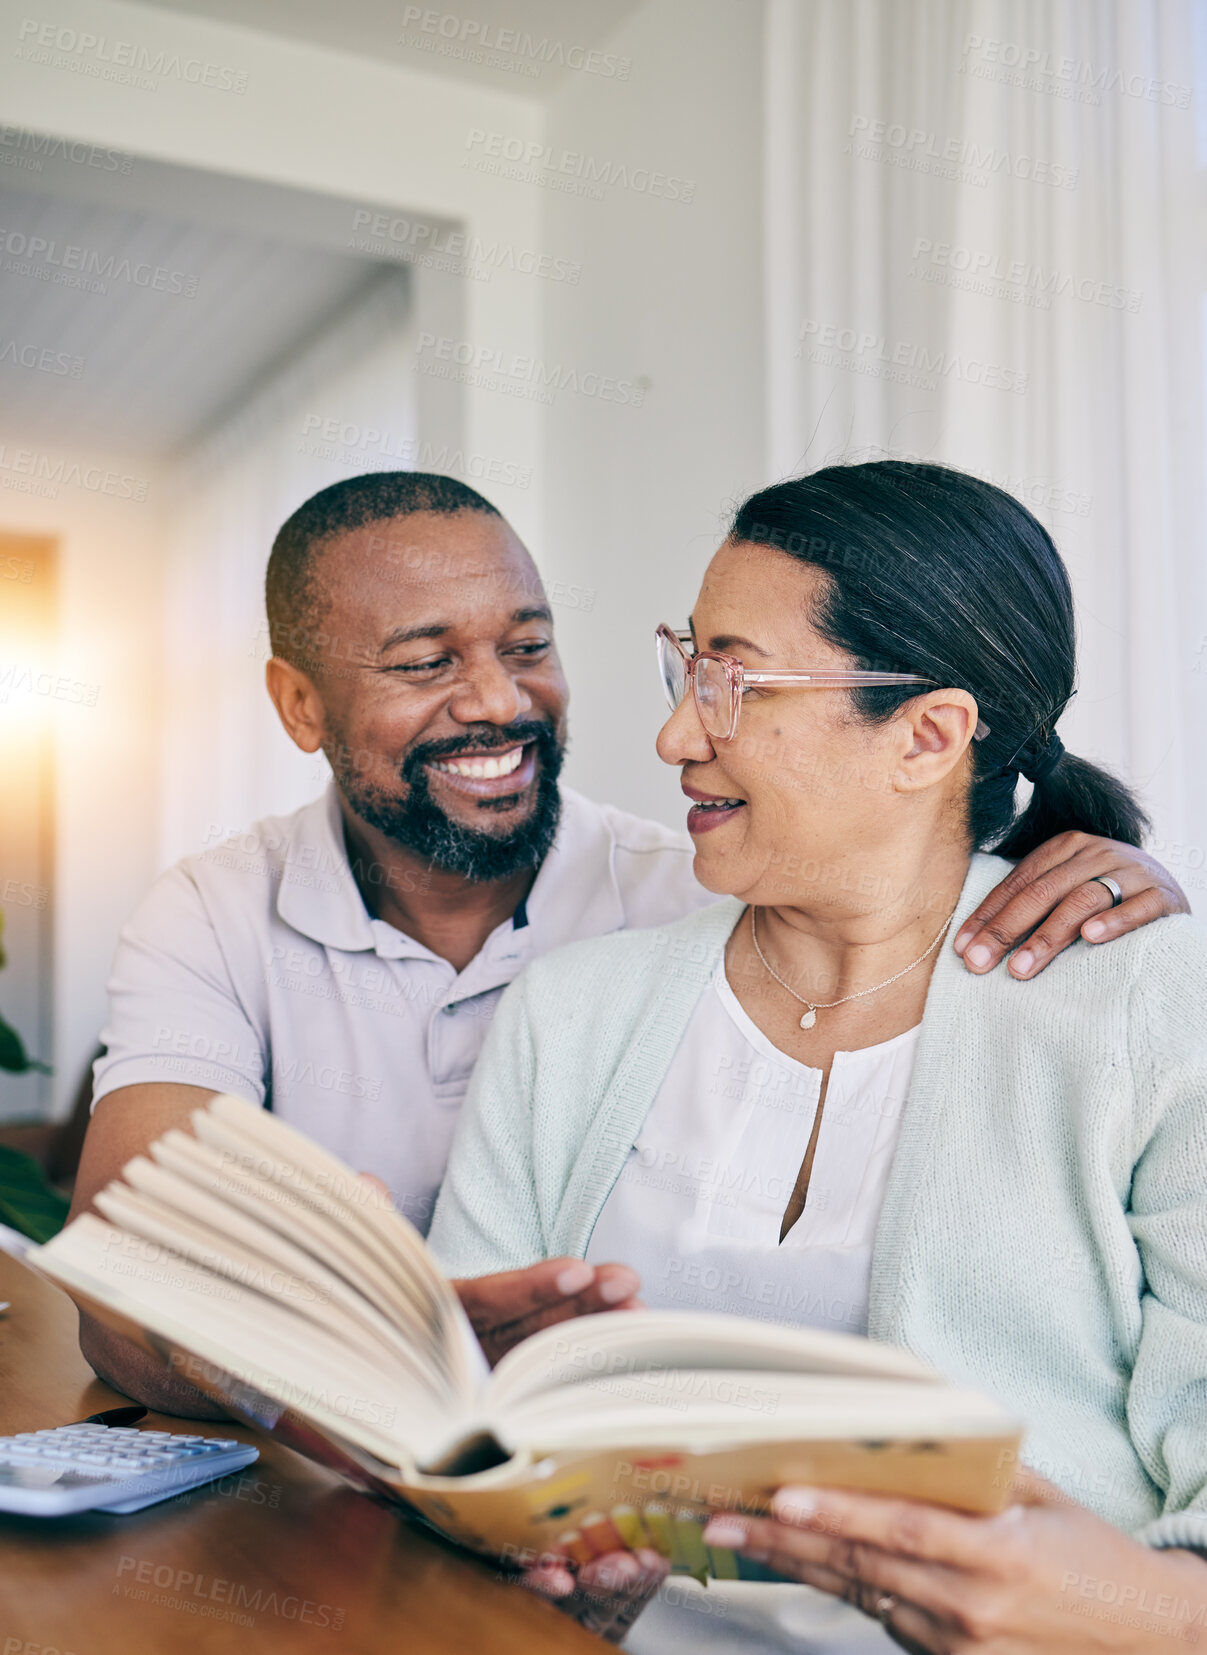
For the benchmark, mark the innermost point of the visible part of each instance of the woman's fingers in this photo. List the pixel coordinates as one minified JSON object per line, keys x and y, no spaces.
{"x":1051,"y":898}
{"x":920,"y":1553}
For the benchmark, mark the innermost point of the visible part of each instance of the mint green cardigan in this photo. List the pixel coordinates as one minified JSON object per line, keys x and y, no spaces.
{"x":1044,"y":1231}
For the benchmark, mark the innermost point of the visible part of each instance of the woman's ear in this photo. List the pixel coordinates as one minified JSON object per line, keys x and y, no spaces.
{"x":938,"y":729}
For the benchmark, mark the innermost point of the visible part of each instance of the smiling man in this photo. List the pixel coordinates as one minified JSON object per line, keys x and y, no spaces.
{"x":340,"y":966}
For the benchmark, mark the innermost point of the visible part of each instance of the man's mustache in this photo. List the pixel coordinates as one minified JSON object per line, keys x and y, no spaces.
{"x":494,"y":738}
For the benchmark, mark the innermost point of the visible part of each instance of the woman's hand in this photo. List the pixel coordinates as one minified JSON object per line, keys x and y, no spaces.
{"x":1052,"y":889}
{"x":1045,"y":1577}
{"x":605,"y":1595}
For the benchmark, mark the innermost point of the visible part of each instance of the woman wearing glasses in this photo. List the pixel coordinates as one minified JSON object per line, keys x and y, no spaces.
{"x":797,"y":1105}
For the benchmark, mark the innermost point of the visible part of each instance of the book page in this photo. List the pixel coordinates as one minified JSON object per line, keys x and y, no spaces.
{"x":276,"y":1150}
{"x":628,"y":1341}
{"x":208,"y":1187}
{"x":701,"y":1408}
{"x":300,"y":1365}
{"x":241,"y":1250}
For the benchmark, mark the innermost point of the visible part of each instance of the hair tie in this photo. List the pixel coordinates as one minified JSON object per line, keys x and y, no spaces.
{"x":1038,"y":769}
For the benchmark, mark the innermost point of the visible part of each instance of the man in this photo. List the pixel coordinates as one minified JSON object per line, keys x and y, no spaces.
{"x":340,"y":966}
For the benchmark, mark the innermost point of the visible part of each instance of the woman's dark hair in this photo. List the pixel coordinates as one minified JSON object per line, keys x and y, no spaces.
{"x":936,"y":572}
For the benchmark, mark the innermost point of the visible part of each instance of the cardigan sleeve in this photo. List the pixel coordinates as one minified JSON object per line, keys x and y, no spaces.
{"x":487,"y":1217}
{"x":1167,"y":1397}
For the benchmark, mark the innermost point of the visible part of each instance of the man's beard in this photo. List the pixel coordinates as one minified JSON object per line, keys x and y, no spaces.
{"x":417,"y":822}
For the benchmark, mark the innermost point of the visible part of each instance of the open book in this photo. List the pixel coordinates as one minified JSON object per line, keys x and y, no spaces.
{"x":266,"y":1273}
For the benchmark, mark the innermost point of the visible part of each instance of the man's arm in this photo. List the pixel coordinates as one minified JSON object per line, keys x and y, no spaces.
{"x":123,"y":1124}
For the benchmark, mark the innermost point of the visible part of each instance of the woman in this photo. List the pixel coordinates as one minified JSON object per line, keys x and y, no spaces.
{"x":797,"y":1104}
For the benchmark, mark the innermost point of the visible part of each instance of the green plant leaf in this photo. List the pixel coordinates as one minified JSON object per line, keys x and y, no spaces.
{"x":13,"y":1056}
{"x":27,"y":1202}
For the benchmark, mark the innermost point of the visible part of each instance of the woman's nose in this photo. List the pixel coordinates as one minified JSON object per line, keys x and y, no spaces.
{"x":683,"y":739}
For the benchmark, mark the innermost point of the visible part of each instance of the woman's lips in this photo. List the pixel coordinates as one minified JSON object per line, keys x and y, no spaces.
{"x":710,"y":810}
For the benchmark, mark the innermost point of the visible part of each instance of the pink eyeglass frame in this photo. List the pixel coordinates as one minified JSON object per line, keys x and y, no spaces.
{"x":739,"y":674}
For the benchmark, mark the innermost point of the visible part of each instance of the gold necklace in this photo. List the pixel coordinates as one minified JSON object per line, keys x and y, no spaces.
{"x":810,"y":1015}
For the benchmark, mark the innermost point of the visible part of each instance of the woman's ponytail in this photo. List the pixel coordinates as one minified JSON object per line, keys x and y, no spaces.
{"x":1072,"y":794}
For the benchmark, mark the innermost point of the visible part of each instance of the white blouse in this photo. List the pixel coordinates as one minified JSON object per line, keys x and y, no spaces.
{"x":697,"y":1211}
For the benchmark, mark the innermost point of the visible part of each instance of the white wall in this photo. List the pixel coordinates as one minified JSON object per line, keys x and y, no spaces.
{"x":670,"y":294}
{"x":226,"y":759}
{"x":316,"y":120}
{"x":106,"y":774}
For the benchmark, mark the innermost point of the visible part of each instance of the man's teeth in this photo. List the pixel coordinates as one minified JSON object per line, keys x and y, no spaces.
{"x":482,"y":768}
{"x":719,"y":804}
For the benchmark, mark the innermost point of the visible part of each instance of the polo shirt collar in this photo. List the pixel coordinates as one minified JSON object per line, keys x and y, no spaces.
{"x":575,"y":893}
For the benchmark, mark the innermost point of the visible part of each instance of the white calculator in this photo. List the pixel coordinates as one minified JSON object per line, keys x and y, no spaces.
{"x":91,"y":1467}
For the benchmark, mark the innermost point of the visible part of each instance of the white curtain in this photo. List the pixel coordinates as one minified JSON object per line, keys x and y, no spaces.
{"x":344,"y":405}
{"x":982,"y":243}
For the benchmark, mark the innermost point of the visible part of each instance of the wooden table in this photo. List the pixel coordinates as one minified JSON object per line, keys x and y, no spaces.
{"x":280,"y":1556}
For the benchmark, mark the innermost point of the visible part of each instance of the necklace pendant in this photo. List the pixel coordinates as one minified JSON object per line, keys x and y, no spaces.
{"x":808,"y":1020}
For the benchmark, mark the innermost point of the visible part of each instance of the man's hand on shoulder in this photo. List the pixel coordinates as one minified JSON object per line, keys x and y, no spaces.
{"x":506,"y":1308}
{"x":1052,"y":898}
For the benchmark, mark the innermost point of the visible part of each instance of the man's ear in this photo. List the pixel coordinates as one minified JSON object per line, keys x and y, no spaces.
{"x":298,"y":702}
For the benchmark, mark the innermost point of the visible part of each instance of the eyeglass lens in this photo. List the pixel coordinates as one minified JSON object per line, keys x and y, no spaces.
{"x":713,"y":696}
{"x":673,"y":667}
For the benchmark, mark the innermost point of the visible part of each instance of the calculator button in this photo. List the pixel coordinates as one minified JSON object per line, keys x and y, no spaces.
{"x":221,"y":1442}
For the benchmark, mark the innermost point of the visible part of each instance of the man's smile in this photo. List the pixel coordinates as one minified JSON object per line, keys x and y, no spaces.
{"x":473,"y":765}
{"x":487,"y":775}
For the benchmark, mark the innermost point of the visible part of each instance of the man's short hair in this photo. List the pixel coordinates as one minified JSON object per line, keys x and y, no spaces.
{"x":293,"y":593}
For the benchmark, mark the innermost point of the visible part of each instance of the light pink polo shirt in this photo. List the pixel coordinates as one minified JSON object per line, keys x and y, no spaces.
{"x":255,"y":968}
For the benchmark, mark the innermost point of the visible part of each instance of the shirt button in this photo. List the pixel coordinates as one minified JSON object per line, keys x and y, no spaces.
{"x":447,"y":1010}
